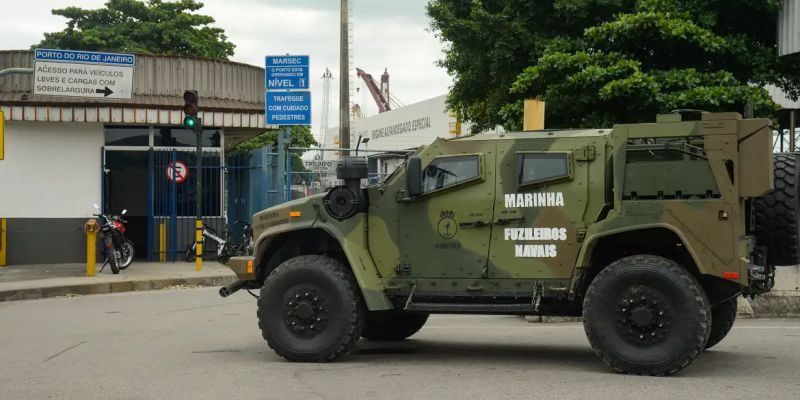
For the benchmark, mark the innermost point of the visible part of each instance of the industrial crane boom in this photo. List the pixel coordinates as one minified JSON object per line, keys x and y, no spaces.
{"x":380,"y":99}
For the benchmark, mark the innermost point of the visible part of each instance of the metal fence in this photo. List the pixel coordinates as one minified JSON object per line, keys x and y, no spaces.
{"x":235,"y":186}
{"x":313,"y":170}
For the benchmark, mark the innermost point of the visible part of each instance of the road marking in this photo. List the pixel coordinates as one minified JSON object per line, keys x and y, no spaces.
{"x":62,"y":352}
{"x":201,"y":307}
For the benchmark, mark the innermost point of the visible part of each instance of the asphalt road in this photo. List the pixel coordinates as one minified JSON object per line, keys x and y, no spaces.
{"x":191,"y":344}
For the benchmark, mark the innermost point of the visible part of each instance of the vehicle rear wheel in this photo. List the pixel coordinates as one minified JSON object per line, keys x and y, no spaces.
{"x":646,"y":315}
{"x":311,"y":310}
{"x":392,"y":325}
{"x":722,"y":318}
{"x":777,"y":219}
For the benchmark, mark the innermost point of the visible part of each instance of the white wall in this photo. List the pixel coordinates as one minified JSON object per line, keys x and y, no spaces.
{"x":403,"y":128}
{"x":51,"y":169}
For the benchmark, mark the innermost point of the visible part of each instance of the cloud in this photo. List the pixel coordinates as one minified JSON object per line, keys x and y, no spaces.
{"x":387,"y":34}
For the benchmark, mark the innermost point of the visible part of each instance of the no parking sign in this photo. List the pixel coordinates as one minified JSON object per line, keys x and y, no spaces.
{"x":177,"y":171}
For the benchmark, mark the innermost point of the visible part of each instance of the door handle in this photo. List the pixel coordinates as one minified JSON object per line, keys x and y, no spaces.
{"x":472,"y":224}
{"x":506,"y":221}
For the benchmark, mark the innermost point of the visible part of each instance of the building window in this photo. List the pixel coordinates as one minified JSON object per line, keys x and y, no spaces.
{"x":541,"y":167}
{"x":449,"y":171}
{"x":127,"y":135}
{"x":181,"y":137}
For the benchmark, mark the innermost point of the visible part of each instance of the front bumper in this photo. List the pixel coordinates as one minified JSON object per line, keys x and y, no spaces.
{"x":243,"y":267}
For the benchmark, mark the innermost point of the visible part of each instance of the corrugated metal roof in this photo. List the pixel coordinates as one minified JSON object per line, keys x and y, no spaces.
{"x":159,"y":82}
{"x":789,"y":28}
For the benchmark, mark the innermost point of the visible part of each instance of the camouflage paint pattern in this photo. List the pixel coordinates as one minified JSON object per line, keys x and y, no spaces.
{"x":472,"y":237}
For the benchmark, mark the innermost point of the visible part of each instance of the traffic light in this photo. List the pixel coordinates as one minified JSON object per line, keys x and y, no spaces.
{"x":190,"y":108}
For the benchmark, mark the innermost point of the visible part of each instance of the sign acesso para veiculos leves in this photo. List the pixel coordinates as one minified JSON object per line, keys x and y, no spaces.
{"x":88,"y":74}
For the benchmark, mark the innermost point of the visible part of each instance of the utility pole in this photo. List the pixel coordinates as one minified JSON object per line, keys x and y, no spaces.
{"x":344,"y":78}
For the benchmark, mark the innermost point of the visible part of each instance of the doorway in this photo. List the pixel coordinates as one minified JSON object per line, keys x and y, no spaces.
{"x":125,"y":187}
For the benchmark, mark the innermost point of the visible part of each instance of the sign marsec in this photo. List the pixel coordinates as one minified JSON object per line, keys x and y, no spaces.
{"x":287,"y":72}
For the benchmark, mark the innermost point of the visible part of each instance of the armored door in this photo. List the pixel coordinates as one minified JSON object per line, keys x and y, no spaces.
{"x":445,"y":232}
{"x":542,"y":205}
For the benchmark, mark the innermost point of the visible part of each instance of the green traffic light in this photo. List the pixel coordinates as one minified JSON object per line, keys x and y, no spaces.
{"x":189,"y":122}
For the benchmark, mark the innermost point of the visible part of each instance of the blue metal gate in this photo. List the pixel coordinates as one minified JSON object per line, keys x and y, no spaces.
{"x":234,"y":187}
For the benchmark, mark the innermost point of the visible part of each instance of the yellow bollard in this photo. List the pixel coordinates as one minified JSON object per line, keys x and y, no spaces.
{"x":162,"y":241}
{"x":90,"y":227}
{"x":198,"y":262}
{"x":2,"y":238}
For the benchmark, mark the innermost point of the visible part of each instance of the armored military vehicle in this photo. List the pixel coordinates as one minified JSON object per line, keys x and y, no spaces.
{"x":648,"y":231}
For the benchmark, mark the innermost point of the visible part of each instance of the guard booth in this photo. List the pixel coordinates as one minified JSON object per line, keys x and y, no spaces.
{"x":64,"y":153}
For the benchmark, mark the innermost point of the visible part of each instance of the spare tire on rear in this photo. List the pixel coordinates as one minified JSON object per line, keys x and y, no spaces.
{"x":777,"y":220}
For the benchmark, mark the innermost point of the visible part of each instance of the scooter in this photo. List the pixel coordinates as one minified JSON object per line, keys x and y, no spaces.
{"x":118,"y":248}
{"x":225,"y":247}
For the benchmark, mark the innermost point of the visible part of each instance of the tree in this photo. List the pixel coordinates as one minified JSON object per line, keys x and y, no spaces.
{"x":600,"y":62}
{"x":301,"y":137}
{"x":134,"y":26}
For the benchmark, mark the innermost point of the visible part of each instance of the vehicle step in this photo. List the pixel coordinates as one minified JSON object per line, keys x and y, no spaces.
{"x":471,"y":308}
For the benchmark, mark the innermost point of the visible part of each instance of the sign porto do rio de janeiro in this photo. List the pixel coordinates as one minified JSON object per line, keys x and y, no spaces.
{"x":83,"y":74}
{"x":288,"y":100}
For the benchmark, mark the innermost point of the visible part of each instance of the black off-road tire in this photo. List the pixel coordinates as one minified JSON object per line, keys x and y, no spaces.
{"x":311,"y":309}
{"x":722,"y":318}
{"x":392,"y":325}
{"x":777,"y":219}
{"x":646,"y":315}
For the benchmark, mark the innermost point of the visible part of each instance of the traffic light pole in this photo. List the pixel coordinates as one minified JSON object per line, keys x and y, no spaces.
{"x":199,"y":196}
{"x":191,"y":106}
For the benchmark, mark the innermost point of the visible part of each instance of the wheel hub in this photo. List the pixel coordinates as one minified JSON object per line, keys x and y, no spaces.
{"x":305,"y":311}
{"x":644,"y":316}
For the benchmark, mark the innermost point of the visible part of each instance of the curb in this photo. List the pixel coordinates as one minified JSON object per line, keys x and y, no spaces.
{"x":110,"y":287}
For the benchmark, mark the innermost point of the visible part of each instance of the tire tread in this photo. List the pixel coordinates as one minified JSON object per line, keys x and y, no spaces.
{"x":777,"y":221}
{"x":701,"y":301}
{"x":356,"y":317}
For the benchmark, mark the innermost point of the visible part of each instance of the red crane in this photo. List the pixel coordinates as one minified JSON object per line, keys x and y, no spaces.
{"x":379,"y":94}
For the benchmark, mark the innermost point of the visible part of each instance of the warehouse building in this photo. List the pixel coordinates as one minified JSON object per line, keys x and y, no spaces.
{"x":62,"y":154}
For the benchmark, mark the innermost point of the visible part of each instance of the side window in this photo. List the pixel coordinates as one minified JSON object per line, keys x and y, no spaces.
{"x":448,"y":171}
{"x":541,"y":167}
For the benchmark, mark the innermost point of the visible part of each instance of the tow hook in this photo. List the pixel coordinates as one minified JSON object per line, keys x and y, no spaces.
{"x":231,"y":288}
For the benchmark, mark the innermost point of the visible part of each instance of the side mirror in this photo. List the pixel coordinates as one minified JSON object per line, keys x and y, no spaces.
{"x":124,"y":211}
{"x":414,"y":176}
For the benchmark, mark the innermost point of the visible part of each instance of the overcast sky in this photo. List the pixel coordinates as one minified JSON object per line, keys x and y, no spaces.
{"x":387,"y":34}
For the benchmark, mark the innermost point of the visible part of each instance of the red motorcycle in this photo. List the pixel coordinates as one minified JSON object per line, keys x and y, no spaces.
{"x":119,"y":249}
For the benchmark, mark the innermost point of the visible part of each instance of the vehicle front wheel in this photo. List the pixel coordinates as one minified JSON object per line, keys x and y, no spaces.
{"x":392,"y":325}
{"x":127,"y":253}
{"x":191,"y":253}
{"x":646,"y":315}
{"x":311,"y":310}
{"x":722,"y":319}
